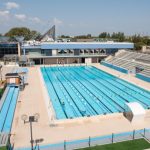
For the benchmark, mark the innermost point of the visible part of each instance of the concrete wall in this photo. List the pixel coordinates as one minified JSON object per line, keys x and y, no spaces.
{"x":114,"y":67}
{"x":74,"y":60}
{"x":96,"y":60}
{"x":61,"y":60}
{"x":50,"y":61}
{"x":70,"y":60}
{"x":54,"y":52}
{"x":142,"y":77}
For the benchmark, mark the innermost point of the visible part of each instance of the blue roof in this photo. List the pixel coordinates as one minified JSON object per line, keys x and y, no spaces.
{"x":83,"y":45}
{"x":87,"y":45}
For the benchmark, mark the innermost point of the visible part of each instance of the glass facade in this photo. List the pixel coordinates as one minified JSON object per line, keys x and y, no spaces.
{"x":8,"y":49}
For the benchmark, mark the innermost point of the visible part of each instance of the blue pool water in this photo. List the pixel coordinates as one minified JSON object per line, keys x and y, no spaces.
{"x":87,"y":91}
{"x":8,"y":103}
{"x":8,"y":108}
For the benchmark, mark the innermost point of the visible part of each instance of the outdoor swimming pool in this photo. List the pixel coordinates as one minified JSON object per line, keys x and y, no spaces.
{"x":87,"y":91}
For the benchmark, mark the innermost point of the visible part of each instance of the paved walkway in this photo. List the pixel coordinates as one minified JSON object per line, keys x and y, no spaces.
{"x":7,"y":69}
{"x":32,"y":100}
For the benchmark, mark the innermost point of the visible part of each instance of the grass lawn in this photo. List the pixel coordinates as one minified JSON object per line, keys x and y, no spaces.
{"x":3,"y":148}
{"x":2,"y":88}
{"x":139,"y":144}
{"x":1,"y":92}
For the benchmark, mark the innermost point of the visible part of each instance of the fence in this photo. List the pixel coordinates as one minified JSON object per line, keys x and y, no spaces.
{"x":4,"y":137}
{"x":93,"y":141}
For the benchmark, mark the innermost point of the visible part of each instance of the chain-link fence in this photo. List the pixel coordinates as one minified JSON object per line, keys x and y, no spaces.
{"x":93,"y":141}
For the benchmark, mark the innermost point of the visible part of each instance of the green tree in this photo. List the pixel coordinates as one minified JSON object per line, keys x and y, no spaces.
{"x":35,"y":35}
{"x":136,"y":38}
{"x":138,"y":45}
{"x":104,"y":35}
{"x":119,"y":36}
{"x":148,"y":42}
{"x":21,"y":31}
{"x":88,"y":36}
{"x":64,"y":36}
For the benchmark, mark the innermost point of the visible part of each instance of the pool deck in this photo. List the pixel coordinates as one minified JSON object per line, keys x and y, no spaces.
{"x":7,"y":69}
{"x":34,"y":100}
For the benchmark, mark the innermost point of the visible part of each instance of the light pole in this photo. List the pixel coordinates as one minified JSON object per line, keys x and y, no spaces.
{"x":30,"y":119}
{"x":37,"y":141}
{"x":1,"y":72}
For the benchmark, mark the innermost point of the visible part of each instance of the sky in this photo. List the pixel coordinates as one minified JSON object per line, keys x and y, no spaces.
{"x":77,"y":17}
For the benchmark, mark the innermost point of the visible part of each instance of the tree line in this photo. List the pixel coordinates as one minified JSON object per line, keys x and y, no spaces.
{"x":137,"y":39}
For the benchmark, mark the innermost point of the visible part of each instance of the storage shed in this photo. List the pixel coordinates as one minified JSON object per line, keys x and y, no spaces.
{"x":13,"y":79}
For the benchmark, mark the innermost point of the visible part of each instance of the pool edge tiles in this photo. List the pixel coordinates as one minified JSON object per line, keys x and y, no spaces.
{"x":82,"y":91}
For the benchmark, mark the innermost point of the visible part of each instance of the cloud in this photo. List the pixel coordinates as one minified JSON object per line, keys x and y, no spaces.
{"x":4,"y":16}
{"x":71,"y":25}
{"x":21,"y":17}
{"x":12,"y":5}
{"x":9,"y":19}
{"x":57,"y":22}
{"x":4,"y":13}
{"x":36,"y":20}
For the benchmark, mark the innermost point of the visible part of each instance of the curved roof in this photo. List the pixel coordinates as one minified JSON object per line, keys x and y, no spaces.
{"x":136,"y":108}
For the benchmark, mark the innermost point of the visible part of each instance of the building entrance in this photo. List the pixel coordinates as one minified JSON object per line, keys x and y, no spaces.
{"x":83,"y":60}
